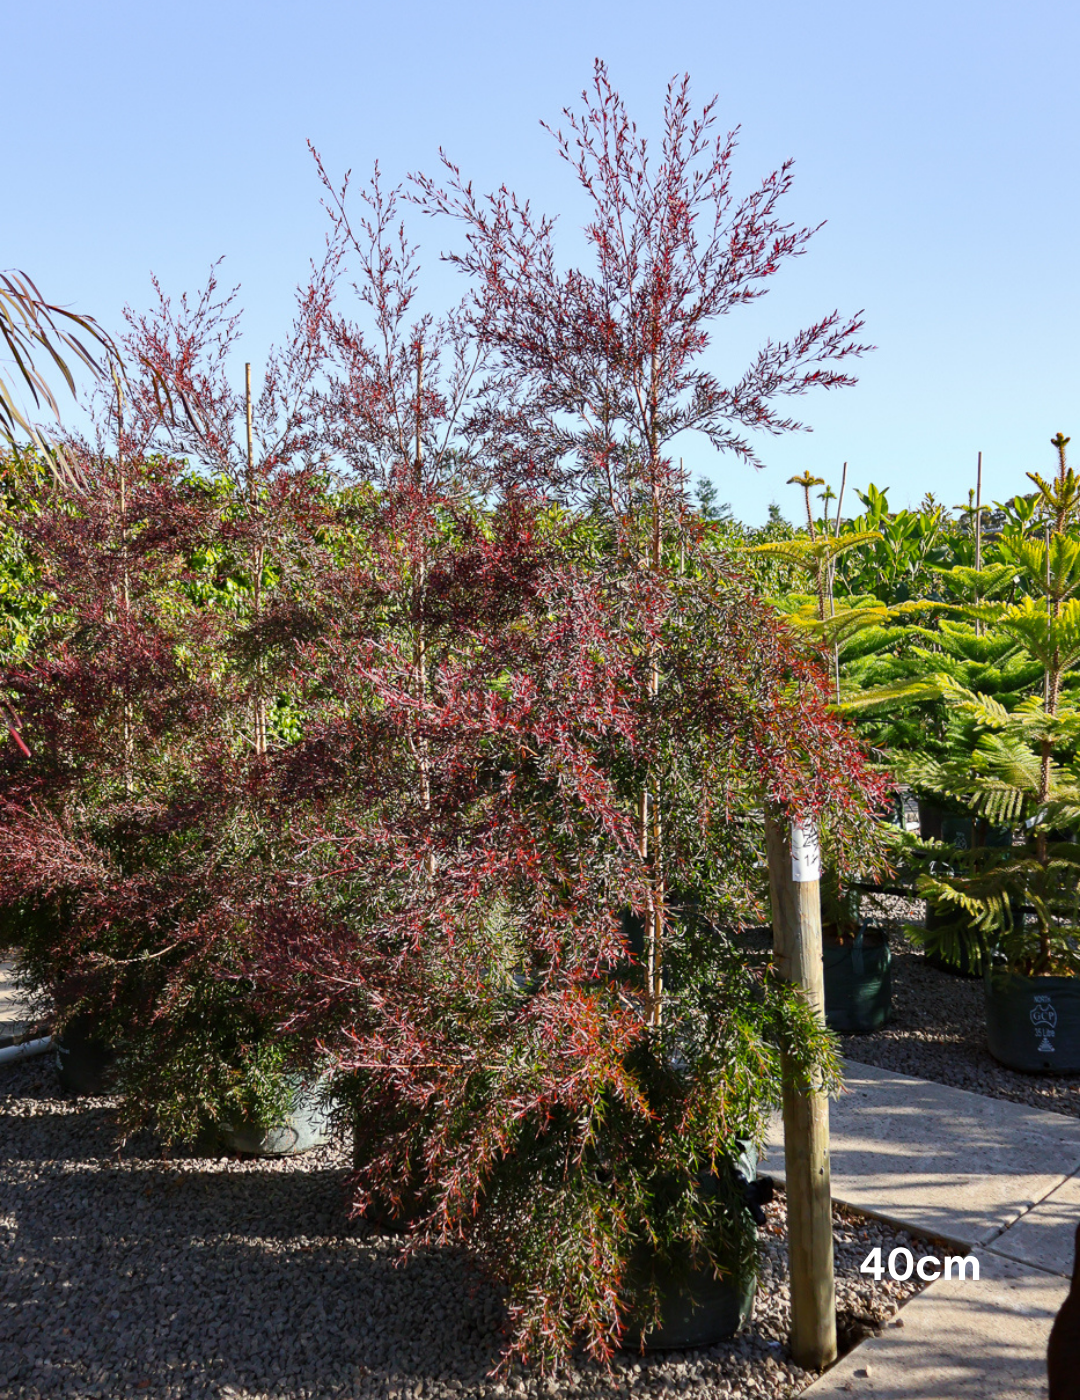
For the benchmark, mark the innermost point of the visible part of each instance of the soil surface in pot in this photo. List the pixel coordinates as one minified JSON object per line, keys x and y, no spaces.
{"x":124,"y":1274}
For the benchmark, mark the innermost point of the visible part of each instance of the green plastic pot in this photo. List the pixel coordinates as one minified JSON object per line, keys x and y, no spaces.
{"x":858,"y":982}
{"x":306,"y":1125}
{"x":1033,"y":1023}
{"x":696,"y":1308}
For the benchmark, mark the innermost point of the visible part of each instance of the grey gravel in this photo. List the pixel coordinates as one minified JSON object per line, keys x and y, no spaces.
{"x":938,"y":1030}
{"x":123,"y":1273}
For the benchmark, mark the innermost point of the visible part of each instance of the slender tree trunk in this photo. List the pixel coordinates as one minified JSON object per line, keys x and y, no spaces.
{"x":127,"y":718}
{"x":651,"y":809}
{"x":420,"y":656}
{"x":257,"y":563}
{"x":1051,"y":694}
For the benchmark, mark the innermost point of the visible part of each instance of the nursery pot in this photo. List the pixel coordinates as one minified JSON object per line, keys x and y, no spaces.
{"x":304,"y":1126}
{"x":380,"y":1212}
{"x":1033,"y":1023}
{"x":858,"y":981}
{"x":84,"y":1063}
{"x":696,"y":1308}
{"x":959,"y":828}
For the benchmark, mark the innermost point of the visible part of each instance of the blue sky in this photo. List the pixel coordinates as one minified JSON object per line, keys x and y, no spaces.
{"x":938,"y":140}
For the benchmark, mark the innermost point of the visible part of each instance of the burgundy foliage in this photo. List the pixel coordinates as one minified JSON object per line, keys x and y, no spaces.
{"x":379,"y":763}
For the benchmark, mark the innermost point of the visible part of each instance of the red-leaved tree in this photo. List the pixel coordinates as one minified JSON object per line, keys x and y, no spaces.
{"x":600,"y":368}
{"x":465,"y":711}
{"x":602,"y":715}
{"x":176,"y":575}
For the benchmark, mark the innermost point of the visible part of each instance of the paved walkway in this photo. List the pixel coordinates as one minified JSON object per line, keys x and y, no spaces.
{"x":996,"y":1178}
{"x":13,"y":1020}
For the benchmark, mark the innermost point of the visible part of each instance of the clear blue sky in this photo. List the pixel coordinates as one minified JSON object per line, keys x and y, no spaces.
{"x":938,"y":138}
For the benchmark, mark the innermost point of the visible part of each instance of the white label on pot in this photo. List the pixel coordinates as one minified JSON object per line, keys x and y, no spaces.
{"x":1044,"y":1019}
{"x":805,"y":853}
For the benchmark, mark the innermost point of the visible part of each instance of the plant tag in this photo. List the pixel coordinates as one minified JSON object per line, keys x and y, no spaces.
{"x":805,"y":853}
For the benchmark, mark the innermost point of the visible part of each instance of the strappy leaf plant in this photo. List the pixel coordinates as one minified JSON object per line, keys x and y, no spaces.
{"x":33,"y":329}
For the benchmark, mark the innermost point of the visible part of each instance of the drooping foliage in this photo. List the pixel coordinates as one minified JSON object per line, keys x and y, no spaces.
{"x":403,"y":724}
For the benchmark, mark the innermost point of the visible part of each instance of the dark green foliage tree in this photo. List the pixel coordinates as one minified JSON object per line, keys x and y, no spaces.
{"x":1005,"y":746}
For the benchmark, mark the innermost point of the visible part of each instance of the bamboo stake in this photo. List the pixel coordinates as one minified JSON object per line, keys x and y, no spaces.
{"x":257,"y":561}
{"x":840,"y":501}
{"x":832,"y":580}
{"x":250,"y":446}
{"x":978,"y":539}
{"x":682,"y":536}
{"x":126,"y":735}
{"x":794,"y":887}
{"x":978,"y":513}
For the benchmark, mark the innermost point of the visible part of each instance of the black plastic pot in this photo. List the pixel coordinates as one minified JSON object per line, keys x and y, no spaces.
{"x":858,"y":982}
{"x":956,"y":827}
{"x":84,"y":1064}
{"x":1033,"y":1023}
{"x":698,"y":1309}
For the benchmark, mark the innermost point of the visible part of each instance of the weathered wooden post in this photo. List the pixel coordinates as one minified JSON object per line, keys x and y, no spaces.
{"x":794,"y":885}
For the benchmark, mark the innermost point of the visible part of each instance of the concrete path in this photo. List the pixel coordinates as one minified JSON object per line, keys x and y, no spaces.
{"x":959,"y":1341}
{"x":998,"y":1179}
{"x":13,"y":1016}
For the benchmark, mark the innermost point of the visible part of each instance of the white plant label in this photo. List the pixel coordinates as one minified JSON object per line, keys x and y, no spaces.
{"x":1044,"y":1019}
{"x":805,"y":853}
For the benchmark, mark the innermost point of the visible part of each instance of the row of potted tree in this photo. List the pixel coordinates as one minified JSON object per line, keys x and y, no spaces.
{"x":402,"y":727}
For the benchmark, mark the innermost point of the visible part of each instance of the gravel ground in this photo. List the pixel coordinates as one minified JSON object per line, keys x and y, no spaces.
{"x":124,"y":1274}
{"x":938,"y":1030}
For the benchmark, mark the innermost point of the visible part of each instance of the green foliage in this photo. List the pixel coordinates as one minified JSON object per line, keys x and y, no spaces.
{"x":899,"y":563}
{"x":24,"y":603}
{"x":992,"y":687}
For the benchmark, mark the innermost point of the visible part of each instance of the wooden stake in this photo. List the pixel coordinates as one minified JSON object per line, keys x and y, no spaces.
{"x":840,"y":501}
{"x":832,"y":580}
{"x":121,"y":469}
{"x":794,"y":886}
